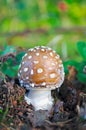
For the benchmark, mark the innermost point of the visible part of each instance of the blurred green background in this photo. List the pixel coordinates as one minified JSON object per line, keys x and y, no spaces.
{"x":59,"y":24}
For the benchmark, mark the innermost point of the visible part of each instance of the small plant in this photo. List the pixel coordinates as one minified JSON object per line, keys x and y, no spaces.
{"x":80,"y":66}
{"x":10,"y":60}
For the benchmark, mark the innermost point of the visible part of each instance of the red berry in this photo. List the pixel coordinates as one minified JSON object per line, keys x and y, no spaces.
{"x":62,"y":6}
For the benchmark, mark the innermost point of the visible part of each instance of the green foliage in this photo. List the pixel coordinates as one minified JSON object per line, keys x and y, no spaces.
{"x":16,"y":15}
{"x":82,"y":49}
{"x":19,"y":57}
{"x":81,"y":46}
{"x":9,"y":69}
{"x":81,"y":77}
{"x":0,"y":52}
{"x":71,"y":63}
{"x":1,"y":110}
{"x":11,"y":65}
{"x":8,"y":49}
{"x":30,"y":23}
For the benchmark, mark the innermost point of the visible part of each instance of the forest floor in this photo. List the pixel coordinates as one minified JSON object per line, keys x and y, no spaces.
{"x":68,"y":112}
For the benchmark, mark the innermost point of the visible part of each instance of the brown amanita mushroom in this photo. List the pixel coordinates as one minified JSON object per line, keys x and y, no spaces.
{"x":40,"y":71}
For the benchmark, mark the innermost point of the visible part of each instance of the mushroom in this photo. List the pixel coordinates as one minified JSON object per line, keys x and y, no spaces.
{"x":41,"y":71}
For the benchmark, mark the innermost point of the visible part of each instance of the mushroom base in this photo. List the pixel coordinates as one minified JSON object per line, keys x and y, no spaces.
{"x":40,"y":99}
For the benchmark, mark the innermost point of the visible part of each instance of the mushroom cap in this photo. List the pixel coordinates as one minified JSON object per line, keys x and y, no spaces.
{"x":41,"y":67}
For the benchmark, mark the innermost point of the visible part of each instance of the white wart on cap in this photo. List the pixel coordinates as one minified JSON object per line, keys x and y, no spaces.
{"x":41,"y":67}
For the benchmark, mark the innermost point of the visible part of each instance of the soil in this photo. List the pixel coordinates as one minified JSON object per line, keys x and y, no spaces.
{"x":67,"y":113}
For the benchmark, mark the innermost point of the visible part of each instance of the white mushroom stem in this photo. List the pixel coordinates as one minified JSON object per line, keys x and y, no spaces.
{"x":40,"y":99}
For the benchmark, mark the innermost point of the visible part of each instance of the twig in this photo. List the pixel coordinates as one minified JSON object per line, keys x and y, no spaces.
{"x":59,"y":123}
{"x":7,"y":127}
{"x":25,"y":32}
{"x":40,"y":30}
{"x":5,"y":113}
{"x":83,"y":94}
{"x":7,"y":56}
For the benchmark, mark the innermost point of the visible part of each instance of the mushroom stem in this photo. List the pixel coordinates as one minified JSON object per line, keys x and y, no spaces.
{"x":40,"y":99}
